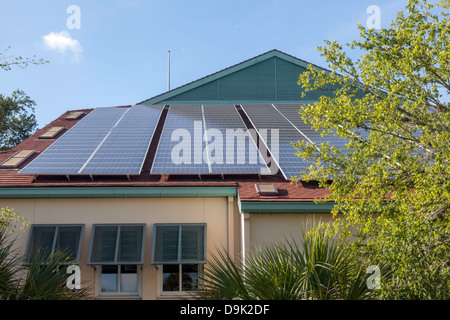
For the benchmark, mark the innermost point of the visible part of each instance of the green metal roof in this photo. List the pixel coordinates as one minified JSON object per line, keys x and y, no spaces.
{"x":268,"y":78}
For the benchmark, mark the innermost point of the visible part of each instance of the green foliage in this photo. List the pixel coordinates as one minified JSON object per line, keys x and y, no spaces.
{"x":43,"y":278}
{"x":10,"y":218}
{"x":7,"y":62}
{"x":391,"y":106}
{"x":316,"y":268}
{"x":17,"y":119}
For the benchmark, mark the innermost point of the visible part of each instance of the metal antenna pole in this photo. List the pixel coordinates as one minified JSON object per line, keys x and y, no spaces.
{"x":168,"y":74}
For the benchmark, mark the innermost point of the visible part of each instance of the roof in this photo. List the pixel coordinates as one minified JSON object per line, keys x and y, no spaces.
{"x":274,"y":76}
{"x":245,"y":185}
{"x":292,"y":194}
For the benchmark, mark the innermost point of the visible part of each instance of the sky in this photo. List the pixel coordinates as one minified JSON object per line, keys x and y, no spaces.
{"x":112,"y":53}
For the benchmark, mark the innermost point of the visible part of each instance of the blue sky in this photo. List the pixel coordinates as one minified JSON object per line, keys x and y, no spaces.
{"x":118,"y":56}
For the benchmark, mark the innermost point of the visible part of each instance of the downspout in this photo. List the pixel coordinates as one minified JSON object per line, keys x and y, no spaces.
{"x":230,"y":226}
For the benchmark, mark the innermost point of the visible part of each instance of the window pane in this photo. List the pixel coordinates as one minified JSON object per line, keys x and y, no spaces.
{"x":171,"y":277}
{"x":130,"y":244}
{"x":104,"y":246}
{"x":192,"y":239}
{"x":41,"y":239}
{"x":166,"y":244}
{"x":68,"y":240}
{"x":109,"y":279}
{"x":128,"y":278}
{"x":190,"y":277}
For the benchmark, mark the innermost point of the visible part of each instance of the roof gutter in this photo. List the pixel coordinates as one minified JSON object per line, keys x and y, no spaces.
{"x":116,"y":192}
{"x":166,"y":192}
{"x":285,"y":207}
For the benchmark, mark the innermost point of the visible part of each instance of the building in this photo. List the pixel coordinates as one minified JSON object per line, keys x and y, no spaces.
{"x":141,"y":200}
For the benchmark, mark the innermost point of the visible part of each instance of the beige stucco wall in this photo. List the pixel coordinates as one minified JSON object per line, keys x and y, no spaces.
{"x":226,"y":226}
{"x":220,"y":214}
{"x":265,"y":229}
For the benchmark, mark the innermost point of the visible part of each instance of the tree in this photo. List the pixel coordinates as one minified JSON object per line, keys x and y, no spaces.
{"x":390,"y":182}
{"x":7,"y":62}
{"x":17,"y":120}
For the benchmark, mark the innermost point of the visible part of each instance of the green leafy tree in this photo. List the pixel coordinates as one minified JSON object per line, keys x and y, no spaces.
{"x":17,"y":119}
{"x":391,"y":181}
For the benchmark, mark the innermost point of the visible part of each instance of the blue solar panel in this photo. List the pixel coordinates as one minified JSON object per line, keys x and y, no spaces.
{"x":291,"y":112}
{"x":107,"y":141}
{"x":181,"y":145}
{"x":231,"y":148}
{"x":183,"y":149}
{"x":70,"y":152}
{"x":125,"y":148}
{"x":278,"y":135}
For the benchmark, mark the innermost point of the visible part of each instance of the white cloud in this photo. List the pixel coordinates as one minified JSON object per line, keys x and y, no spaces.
{"x":62,"y":42}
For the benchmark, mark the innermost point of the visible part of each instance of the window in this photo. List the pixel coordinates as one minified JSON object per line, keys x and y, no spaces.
{"x":18,"y":158}
{"x":180,"y":250}
{"x":51,"y":133}
{"x":120,"y":280}
{"x":266,"y":189}
{"x":117,"y":253}
{"x":74,"y":115}
{"x":179,"y":278}
{"x":46,"y":239}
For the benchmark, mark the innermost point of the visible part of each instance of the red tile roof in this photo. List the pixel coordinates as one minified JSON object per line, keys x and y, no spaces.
{"x":245,"y":184}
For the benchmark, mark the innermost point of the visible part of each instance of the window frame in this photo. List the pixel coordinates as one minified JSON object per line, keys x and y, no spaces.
{"x":180,"y":293}
{"x":55,"y":237}
{"x":17,"y":156}
{"x":116,"y":250}
{"x":180,"y":226}
{"x":117,"y":294}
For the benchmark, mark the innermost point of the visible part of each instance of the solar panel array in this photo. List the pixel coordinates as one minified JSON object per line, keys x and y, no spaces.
{"x":106,"y":141}
{"x":196,"y":139}
{"x":209,"y":139}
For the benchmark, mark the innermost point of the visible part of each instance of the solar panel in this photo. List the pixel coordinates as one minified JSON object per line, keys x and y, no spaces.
{"x":106,"y":141}
{"x":291,"y":112}
{"x":125,"y":148}
{"x":70,"y":152}
{"x":181,"y":145}
{"x":278,"y":134}
{"x":183,"y":149}
{"x":231,"y":148}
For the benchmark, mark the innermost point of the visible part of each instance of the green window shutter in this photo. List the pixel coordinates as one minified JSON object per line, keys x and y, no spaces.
{"x":46,"y":239}
{"x":117,"y":244}
{"x":41,"y":241}
{"x":179,"y":243}
{"x":68,"y":240}
{"x":130,"y":244}
{"x":192,"y":239}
